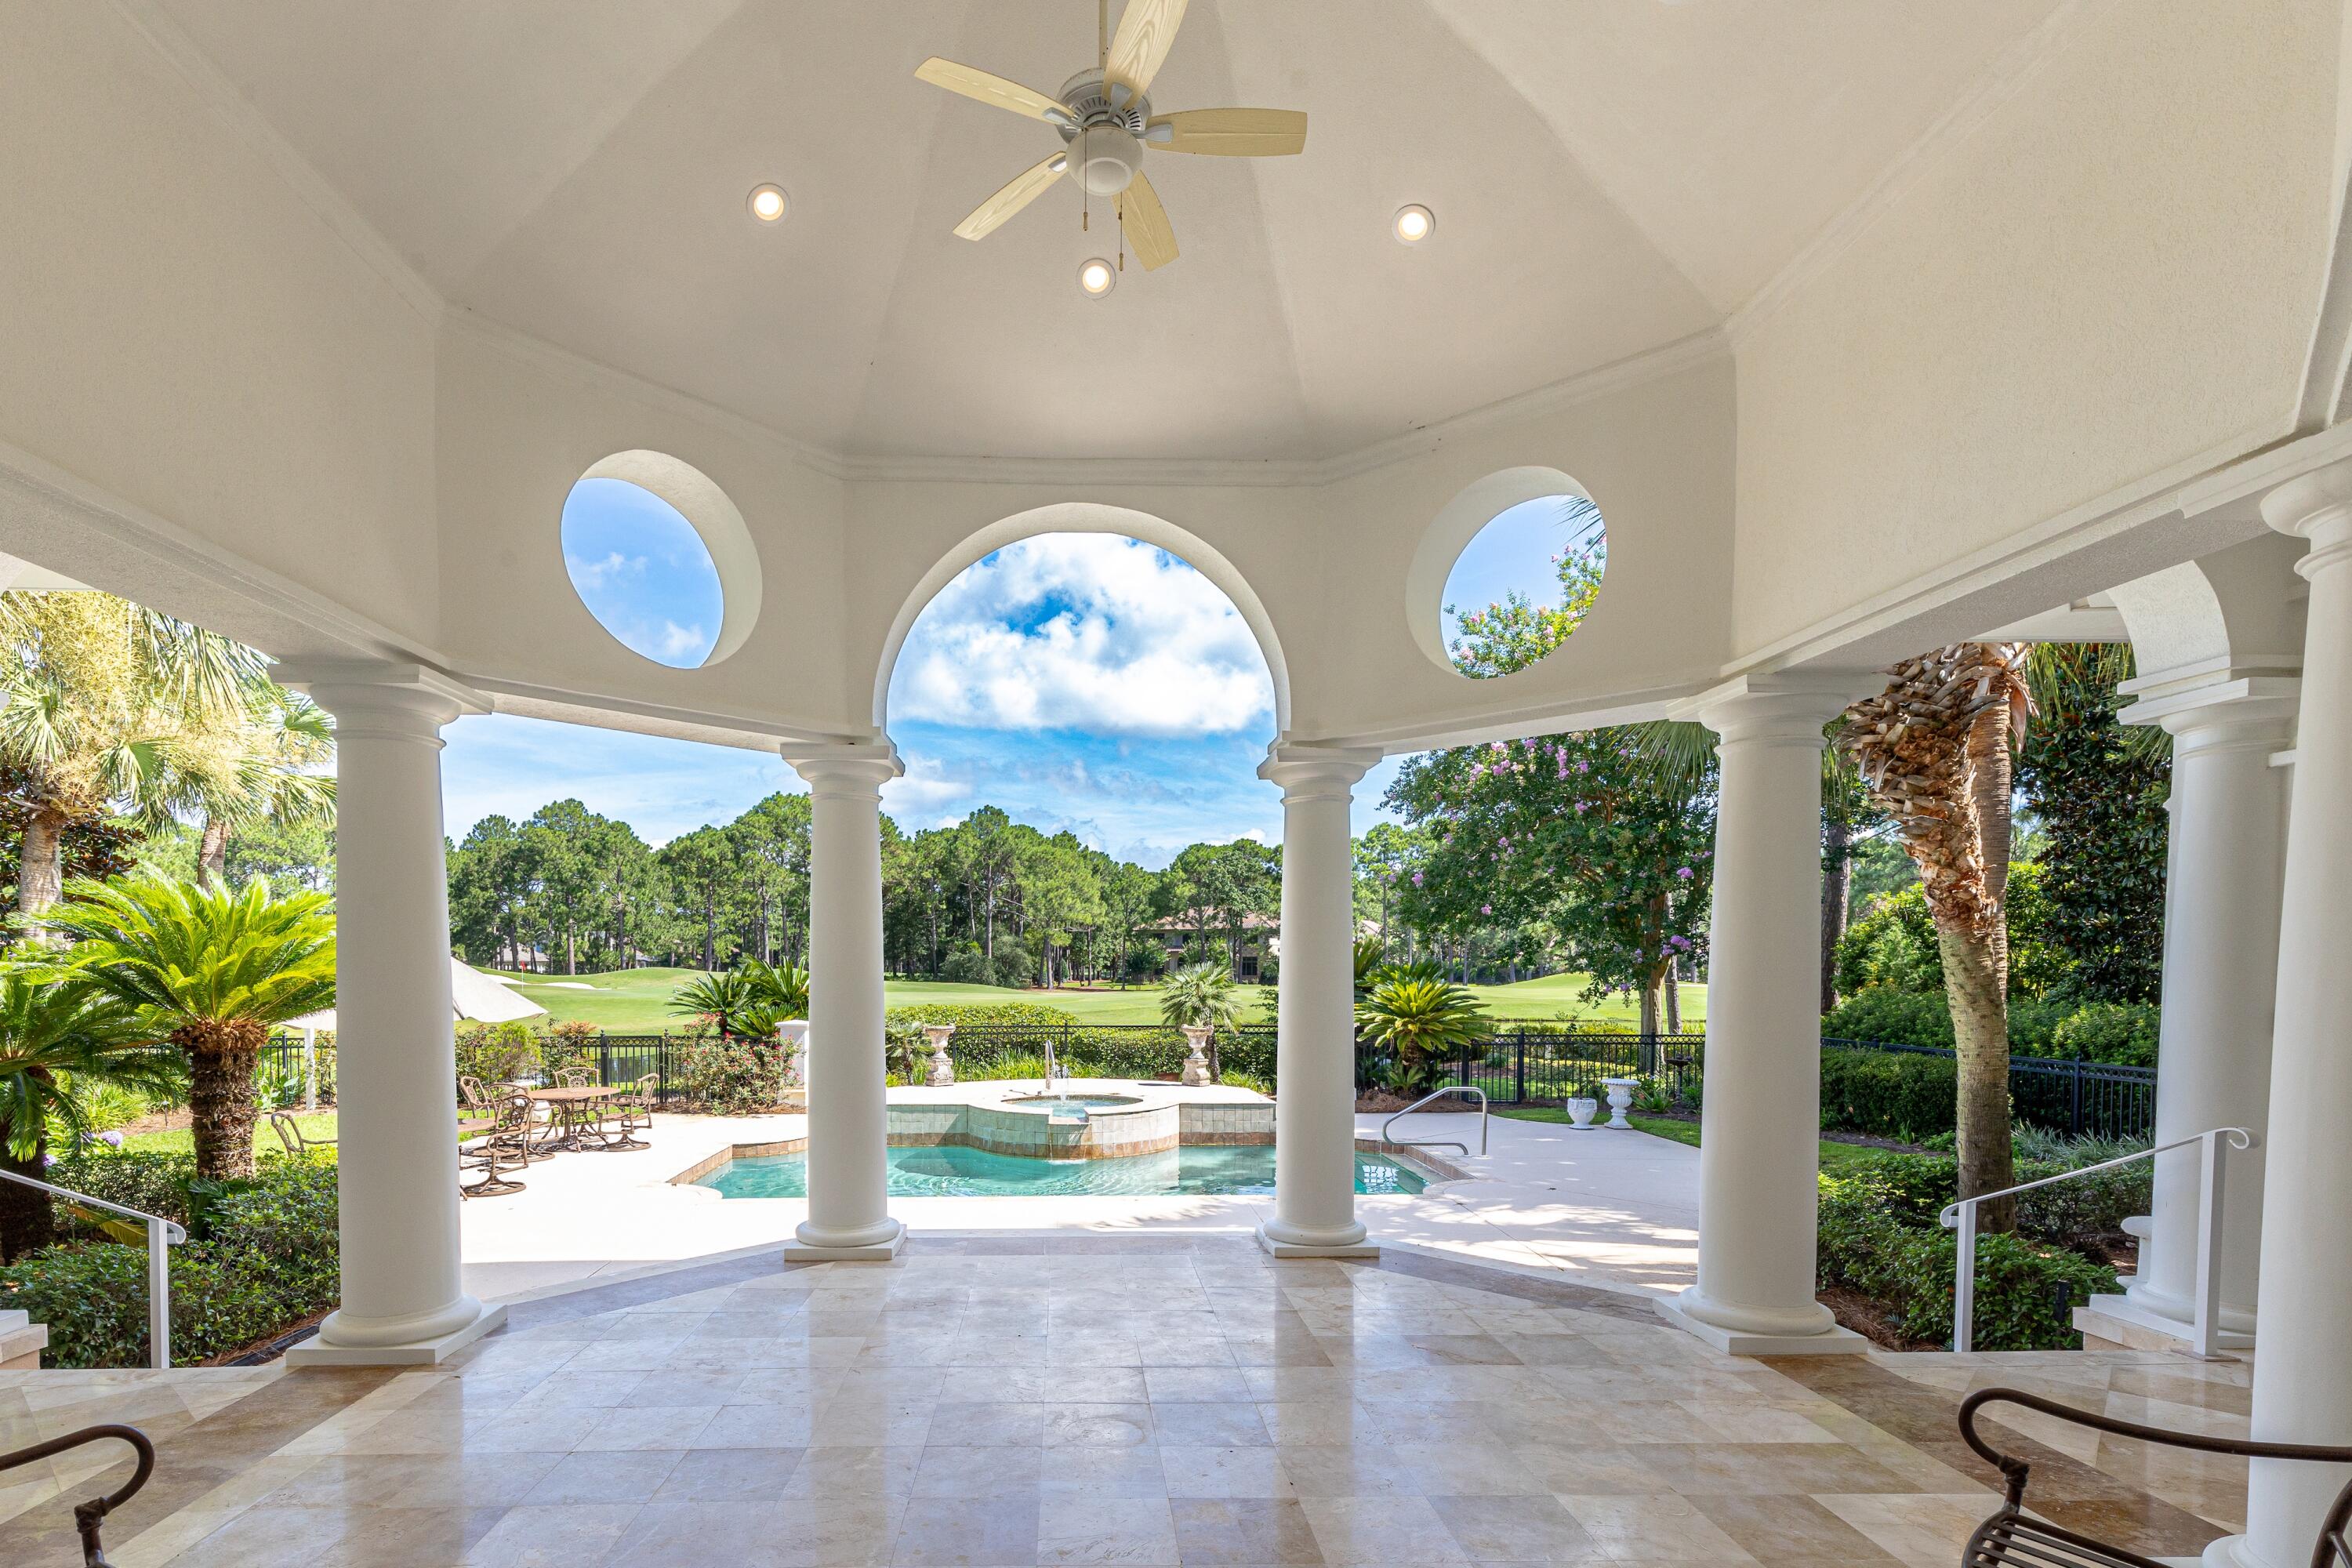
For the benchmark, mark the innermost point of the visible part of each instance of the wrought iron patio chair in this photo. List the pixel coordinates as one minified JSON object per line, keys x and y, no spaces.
{"x":298,"y":1142}
{"x":492,"y":1153}
{"x":88,"y":1516}
{"x":2011,"y":1538}
{"x":576,"y":1078}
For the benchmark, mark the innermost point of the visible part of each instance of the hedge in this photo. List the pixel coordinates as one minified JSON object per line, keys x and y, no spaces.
{"x":1865,"y":1244}
{"x":2124,"y":1033}
{"x":1889,"y":1094}
{"x":1916,"y":1188}
{"x":1016,"y":1033}
{"x":261,"y":1256}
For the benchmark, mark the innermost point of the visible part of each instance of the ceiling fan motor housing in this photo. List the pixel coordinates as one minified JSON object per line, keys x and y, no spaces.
{"x":1106,"y":144}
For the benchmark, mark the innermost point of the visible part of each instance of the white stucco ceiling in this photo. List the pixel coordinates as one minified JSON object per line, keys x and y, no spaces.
{"x":1609,"y":175}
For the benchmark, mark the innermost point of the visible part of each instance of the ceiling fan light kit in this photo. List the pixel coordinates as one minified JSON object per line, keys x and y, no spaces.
{"x":1105,"y":120}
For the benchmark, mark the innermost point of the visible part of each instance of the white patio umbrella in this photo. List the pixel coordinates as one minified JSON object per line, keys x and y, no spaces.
{"x":474,"y":995}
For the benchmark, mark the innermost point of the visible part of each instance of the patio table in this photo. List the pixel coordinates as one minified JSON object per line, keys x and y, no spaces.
{"x":574,"y":1106}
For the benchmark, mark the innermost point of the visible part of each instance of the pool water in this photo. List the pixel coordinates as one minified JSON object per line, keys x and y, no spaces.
{"x":951,"y":1169}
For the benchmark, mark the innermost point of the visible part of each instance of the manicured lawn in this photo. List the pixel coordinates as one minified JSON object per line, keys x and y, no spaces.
{"x":637,"y":1000}
{"x":1832,"y":1154}
{"x":317,"y":1124}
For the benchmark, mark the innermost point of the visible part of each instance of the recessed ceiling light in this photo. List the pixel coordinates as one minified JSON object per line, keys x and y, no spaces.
{"x":768,"y":203}
{"x":1415,"y":223}
{"x":1096,"y":276}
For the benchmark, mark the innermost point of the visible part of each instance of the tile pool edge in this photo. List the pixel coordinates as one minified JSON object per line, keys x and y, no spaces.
{"x":1420,"y":1161}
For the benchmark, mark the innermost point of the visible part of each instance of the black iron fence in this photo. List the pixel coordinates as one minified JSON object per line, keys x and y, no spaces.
{"x":286,"y":1076}
{"x":1102,"y":1050}
{"x":1543,"y":1066}
{"x":2061,"y":1093}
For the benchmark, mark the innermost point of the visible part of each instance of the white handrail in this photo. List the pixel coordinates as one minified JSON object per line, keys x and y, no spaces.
{"x":162,"y":1235}
{"x":2206,"y":1328}
{"x":1441,"y":1143}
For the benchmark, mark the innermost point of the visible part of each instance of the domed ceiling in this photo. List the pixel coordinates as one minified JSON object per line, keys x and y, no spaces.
{"x":1608,"y":176}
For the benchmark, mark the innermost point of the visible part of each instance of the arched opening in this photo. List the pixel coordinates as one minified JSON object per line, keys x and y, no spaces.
{"x":660,"y":557}
{"x":1506,"y":571}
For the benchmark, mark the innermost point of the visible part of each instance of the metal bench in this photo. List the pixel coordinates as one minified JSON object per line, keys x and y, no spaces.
{"x":2011,"y":1539}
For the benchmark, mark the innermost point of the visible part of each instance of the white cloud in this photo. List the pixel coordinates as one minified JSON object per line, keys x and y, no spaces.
{"x":922,"y":788}
{"x":587,"y":575}
{"x":1089,"y":632}
{"x":677,"y":641}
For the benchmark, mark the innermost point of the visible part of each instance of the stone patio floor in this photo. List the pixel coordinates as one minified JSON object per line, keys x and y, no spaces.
{"x":1153,"y":1399}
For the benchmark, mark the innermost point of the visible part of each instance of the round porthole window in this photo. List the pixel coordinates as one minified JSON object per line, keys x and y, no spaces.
{"x":661,"y":559}
{"x":1523,"y":583}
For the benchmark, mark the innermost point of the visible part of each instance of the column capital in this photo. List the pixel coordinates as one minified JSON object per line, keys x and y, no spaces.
{"x":2316,"y":506}
{"x":869,"y":763}
{"x":381,"y":698}
{"x":1316,"y":773}
{"x":1787,"y":708}
{"x":2235,"y":706}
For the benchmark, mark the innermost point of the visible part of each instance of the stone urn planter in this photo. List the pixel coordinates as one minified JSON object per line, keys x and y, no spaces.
{"x":1196,"y":1063}
{"x":942,"y":1075}
{"x":1581,"y":1110}
{"x":1621,"y":1099}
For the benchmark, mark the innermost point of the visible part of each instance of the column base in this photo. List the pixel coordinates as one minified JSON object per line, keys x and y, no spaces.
{"x":1280,"y":1242}
{"x":1830,"y":1341}
{"x":2229,"y":1551}
{"x":429,"y":1350}
{"x":874,"y":1244}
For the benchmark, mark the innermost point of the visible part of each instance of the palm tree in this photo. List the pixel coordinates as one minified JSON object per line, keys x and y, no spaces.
{"x":211,"y":971}
{"x":58,"y":1035}
{"x":1203,"y":996}
{"x":95,"y":686}
{"x":1934,"y":752}
{"x":257,"y":766}
{"x":784,"y":988}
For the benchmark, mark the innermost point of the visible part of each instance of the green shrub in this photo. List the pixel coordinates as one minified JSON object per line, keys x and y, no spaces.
{"x":1900,"y":1017}
{"x":2124,"y":1033}
{"x":1889,"y":1094}
{"x":261,"y":1256}
{"x":498,"y":1053}
{"x":725,"y":1077}
{"x":1864,"y":1245}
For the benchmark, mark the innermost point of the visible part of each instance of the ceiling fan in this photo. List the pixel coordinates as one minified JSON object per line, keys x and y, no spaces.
{"x":1105,"y":119}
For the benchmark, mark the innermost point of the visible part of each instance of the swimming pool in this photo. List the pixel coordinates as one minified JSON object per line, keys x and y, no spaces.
{"x":952,"y":1170}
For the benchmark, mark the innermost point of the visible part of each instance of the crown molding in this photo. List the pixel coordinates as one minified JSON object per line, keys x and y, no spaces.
{"x":232,"y":109}
{"x":2010,"y":71}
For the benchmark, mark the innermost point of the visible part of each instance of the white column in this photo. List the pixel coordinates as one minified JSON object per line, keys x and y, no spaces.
{"x":1315,"y":1068}
{"x":1758,"y":1150}
{"x":848,"y":1112}
{"x":2302,"y":1378}
{"x":2224,"y":867}
{"x":396,"y":1060}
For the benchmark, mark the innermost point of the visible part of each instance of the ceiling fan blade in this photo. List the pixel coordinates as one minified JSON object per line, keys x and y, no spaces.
{"x":1230,"y":133}
{"x":973,"y":82}
{"x":1146,"y":29}
{"x":1146,"y":222}
{"x":1019,"y":192}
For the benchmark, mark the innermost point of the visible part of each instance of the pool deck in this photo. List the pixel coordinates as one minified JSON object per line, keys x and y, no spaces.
{"x":1615,"y":1210}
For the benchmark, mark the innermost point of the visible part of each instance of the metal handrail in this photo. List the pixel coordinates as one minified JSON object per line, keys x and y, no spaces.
{"x":162,"y":1236}
{"x":87,"y":1515}
{"x":2206,"y":1326}
{"x":1440,"y":1143}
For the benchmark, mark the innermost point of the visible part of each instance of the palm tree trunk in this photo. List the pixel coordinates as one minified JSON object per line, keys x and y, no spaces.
{"x":26,"y":1221}
{"x":1837,"y":884}
{"x":221,"y":1109}
{"x":40,"y":864}
{"x":212,"y":852}
{"x":1973,"y":987}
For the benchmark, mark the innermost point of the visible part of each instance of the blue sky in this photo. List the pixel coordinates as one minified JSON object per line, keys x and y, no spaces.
{"x":1080,"y":681}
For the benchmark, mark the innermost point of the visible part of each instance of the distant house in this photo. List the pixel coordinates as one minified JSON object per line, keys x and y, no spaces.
{"x":1261,"y":938}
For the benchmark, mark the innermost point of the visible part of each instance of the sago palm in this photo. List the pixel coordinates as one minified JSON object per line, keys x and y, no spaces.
{"x":1420,"y":1018}
{"x":211,"y":971}
{"x":60,"y":1037}
{"x":1202,"y":995}
{"x":743,"y":1004}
